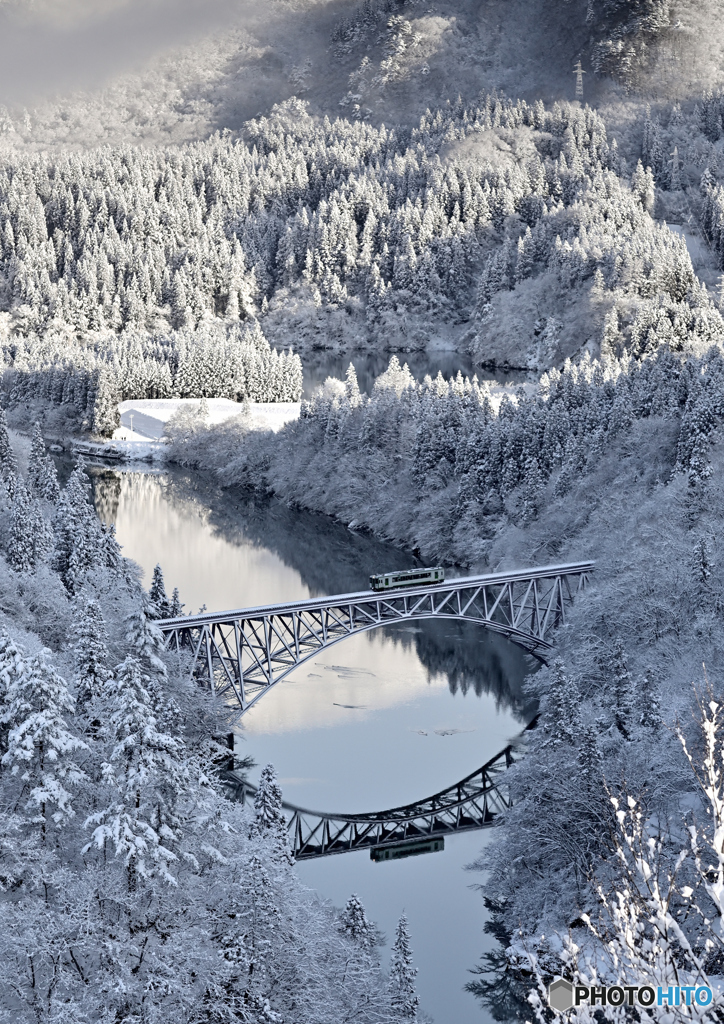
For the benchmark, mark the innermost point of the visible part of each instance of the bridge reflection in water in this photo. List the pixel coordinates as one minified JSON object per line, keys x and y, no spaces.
{"x":474,"y":802}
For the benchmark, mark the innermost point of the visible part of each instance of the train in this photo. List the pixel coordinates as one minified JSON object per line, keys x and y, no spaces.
{"x":407,"y":578}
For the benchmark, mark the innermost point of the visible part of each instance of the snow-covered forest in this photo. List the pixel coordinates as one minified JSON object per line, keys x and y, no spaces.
{"x":495,"y":217}
{"x":132,"y":887}
{"x":349,"y":199}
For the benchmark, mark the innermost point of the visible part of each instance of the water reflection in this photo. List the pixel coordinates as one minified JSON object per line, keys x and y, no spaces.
{"x":382,"y":719}
{"x":230,"y":549}
{"x":369,"y":365}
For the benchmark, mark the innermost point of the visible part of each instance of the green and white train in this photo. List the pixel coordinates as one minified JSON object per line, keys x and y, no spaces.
{"x":407,"y":578}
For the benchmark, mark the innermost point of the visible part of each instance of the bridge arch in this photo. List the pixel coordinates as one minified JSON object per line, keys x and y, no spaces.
{"x":242,"y":654}
{"x":474,"y":802}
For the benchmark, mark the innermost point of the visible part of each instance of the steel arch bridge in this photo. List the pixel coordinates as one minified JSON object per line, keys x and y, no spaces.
{"x":241,"y":654}
{"x":475,"y":802}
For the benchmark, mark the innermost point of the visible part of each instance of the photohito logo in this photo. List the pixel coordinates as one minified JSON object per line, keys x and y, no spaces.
{"x":562,"y":995}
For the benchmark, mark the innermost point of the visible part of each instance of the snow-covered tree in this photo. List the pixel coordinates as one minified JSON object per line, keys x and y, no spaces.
{"x":8,"y":461}
{"x":42,"y":475}
{"x":143,"y":781}
{"x":91,"y":654}
{"x":354,"y":922}
{"x":175,"y":607}
{"x":623,"y":693}
{"x":77,"y":532}
{"x":31,"y":537}
{"x":268,"y":800}
{"x":159,"y":604}
{"x":403,"y":998}
{"x":41,"y":748}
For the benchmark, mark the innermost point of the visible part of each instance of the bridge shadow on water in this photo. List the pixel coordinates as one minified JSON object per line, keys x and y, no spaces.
{"x":331,"y":559}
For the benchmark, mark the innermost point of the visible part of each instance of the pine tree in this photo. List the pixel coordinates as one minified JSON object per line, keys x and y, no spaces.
{"x":103,"y":399}
{"x":110,"y":552}
{"x":649,"y":702}
{"x":145,"y":640}
{"x":256,"y":908}
{"x":12,"y":665}
{"x":563,"y":714}
{"x":160,"y":607}
{"x":8,"y":462}
{"x":145,"y":779}
{"x":268,"y":801}
{"x":589,"y":773}
{"x":270,"y":823}
{"x":31,"y":537}
{"x":40,"y":745}
{"x":403,"y":999}
{"x":354,"y":922}
{"x":176,"y":607}
{"x":622,"y":693}
{"x":91,"y":655}
{"x":533,"y":490}
{"x":701,"y":562}
{"x":354,"y":398}
{"x":77,"y":532}
{"x":37,"y":457}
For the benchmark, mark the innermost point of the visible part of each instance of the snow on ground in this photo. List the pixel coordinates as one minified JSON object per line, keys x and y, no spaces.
{"x":146,"y":418}
{"x":131,"y":448}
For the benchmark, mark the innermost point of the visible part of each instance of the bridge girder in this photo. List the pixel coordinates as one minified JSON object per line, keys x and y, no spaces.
{"x":241,"y":654}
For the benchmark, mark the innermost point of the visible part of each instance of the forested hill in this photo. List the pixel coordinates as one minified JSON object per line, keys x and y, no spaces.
{"x":381,"y":60}
{"x":515,"y":231}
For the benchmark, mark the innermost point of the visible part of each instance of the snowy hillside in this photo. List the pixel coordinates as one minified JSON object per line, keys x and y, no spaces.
{"x":195,"y":198}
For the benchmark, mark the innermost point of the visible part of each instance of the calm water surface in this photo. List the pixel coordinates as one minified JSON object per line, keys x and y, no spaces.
{"x":369,"y":365}
{"x":432,"y":701}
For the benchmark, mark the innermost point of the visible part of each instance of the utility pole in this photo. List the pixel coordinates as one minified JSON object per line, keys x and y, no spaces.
{"x":579,"y":73}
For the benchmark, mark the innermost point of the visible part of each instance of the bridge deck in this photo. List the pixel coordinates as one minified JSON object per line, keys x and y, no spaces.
{"x":318,"y":603}
{"x":241,"y":653}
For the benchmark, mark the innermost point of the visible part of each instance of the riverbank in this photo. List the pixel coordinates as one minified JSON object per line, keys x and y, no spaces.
{"x":384,"y":718}
{"x":441,"y":473}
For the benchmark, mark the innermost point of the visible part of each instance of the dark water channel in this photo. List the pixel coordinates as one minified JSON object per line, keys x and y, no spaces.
{"x":425,"y":705}
{"x":369,"y":365}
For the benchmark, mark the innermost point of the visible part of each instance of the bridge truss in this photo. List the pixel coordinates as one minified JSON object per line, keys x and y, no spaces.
{"x":474,"y":802}
{"x":241,"y":654}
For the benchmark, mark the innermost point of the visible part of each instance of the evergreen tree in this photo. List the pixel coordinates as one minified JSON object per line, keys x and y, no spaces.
{"x":145,"y":641}
{"x":144,"y":780}
{"x":269,"y":822}
{"x":354,"y":922}
{"x":42,"y":474}
{"x":77,"y":532}
{"x":103,"y":399}
{"x":591,"y":783}
{"x":31,"y":537}
{"x":40,"y":746}
{"x":176,"y":607}
{"x":8,"y":462}
{"x":701,"y":561}
{"x":159,"y":607}
{"x":354,"y":398}
{"x":110,"y":552}
{"x":403,"y":998}
{"x":91,"y":655}
{"x":563,"y":716}
{"x":649,"y":702}
{"x":623,"y":697}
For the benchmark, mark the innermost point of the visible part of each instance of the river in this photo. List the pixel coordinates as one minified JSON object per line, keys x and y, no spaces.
{"x":370,"y":364}
{"x":380,"y":720}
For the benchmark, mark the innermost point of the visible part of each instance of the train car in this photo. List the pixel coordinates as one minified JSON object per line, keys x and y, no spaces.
{"x":407,"y":578}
